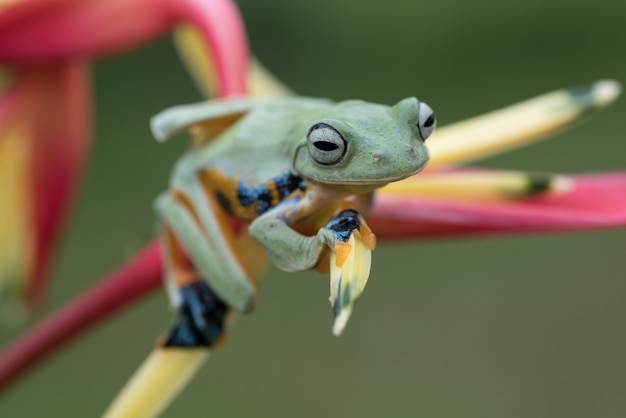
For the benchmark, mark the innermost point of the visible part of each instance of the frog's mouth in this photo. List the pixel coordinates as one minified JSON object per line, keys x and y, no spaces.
{"x":367,"y":168}
{"x":363,"y":182}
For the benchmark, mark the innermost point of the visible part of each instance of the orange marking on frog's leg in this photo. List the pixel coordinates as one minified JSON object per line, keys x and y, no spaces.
{"x":196,"y":300}
{"x":225,"y":229}
{"x":275,"y":199}
{"x":226,"y":190}
{"x":180,"y":268}
{"x":231,"y":239}
{"x":203,"y":132}
{"x":248,"y":252}
{"x":186,"y":201}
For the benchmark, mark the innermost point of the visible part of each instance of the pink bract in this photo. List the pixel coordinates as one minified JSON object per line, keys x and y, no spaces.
{"x":596,"y":201}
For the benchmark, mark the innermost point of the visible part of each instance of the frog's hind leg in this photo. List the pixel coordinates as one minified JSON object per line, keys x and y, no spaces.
{"x":217,"y":278}
{"x":200,"y":313}
{"x":195,"y":217}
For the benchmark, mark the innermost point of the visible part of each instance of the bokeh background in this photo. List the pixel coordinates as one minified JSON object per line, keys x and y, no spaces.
{"x":531,"y":326}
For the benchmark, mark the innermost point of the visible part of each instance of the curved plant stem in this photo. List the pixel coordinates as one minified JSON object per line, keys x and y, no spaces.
{"x":137,"y":278}
{"x":164,"y":373}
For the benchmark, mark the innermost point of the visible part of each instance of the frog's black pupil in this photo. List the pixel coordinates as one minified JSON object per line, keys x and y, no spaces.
{"x":325,"y":145}
{"x":429,"y":122}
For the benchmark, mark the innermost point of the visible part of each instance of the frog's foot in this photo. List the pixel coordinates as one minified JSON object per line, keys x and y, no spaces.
{"x":344,"y":223}
{"x":349,"y":264}
{"x":200,"y":318}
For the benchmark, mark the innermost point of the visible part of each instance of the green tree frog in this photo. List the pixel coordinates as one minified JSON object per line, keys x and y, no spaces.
{"x":284,"y":166}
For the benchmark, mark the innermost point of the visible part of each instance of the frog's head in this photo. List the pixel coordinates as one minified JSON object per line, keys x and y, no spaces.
{"x":355,"y":143}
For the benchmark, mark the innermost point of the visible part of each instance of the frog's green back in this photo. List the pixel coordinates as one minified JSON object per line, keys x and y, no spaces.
{"x":261,"y":144}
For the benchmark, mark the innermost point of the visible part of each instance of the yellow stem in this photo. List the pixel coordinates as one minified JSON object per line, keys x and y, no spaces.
{"x":518,"y":124}
{"x":480,"y":185}
{"x":156,"y":383}
{"x":262,"y":83}
{"x":196,"y":56}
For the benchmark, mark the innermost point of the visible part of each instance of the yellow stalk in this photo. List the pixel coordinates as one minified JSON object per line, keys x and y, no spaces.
{"x":262,"y":83}
{"x":197,"y":57}
{"x":518,"y":124}
{"x":199,"y":62}
{"x":480,"y":185}
{"x":156,"y":383}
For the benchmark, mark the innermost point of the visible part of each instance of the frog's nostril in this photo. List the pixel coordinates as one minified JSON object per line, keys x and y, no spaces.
{"x":377,"y":157}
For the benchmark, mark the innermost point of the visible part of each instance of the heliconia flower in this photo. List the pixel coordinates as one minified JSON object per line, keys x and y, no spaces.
{"x":45,"y":49}
{"x":42,"y":31}
{"x":44,"y":126}
{"x":543,"y":203}
{"x":443,"y":201}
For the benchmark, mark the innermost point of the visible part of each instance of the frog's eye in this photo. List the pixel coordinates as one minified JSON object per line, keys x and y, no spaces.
{"x":325,"y":144}
{"x":426,"y":121}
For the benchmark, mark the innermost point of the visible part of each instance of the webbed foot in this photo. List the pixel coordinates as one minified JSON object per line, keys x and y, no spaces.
{"x":344,"y":223}
{"x":349,"y":264}
{"x":199,"y":320}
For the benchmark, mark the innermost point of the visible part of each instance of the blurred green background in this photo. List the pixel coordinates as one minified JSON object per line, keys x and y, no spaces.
{"x":529,"y":326}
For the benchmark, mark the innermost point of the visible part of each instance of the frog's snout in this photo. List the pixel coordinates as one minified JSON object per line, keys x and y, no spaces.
{"x":415,"y":156}
{"x":407,"y":159}
{"x":411,"y":151}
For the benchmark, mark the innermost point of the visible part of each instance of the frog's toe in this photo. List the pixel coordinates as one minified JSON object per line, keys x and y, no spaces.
{"x":344,"y":223}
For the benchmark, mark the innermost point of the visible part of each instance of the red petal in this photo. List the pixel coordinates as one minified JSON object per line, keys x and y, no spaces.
{"x":53,"y":30}
{"x":223,"y":29}
{"x":596,"y":201}
{"x":56,"y":110}
{"x":10,"y":102}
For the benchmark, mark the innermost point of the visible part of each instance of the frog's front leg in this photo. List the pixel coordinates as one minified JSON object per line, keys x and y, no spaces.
{"x":288,"y":249}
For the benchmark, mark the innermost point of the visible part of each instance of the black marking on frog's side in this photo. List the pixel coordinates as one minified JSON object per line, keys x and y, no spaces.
{"x":344,"y":223}
{"x":200,"y":319}
{"x":224,"y":202}
{"x":270,"y":194}
{"x":260,"y":195}
{"x":287,"y":184}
